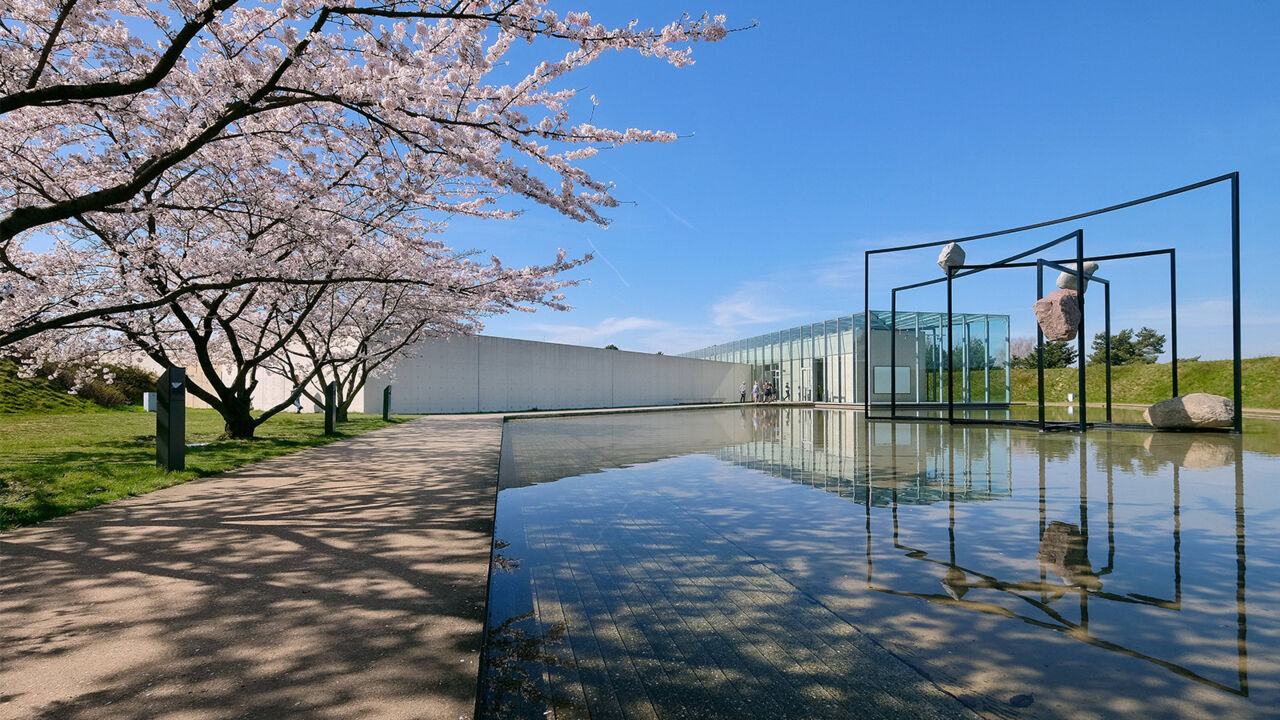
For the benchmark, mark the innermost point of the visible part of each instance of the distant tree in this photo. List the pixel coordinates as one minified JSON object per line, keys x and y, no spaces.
{"x":1021,"y":346}
{"x":978,"y":357}
{"x":1128,"y":347}
{"x":610,"y":346}
{"x":1057,"y":354}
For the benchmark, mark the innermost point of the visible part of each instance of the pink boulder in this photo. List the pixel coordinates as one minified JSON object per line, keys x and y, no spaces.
{"x":1058,"y":314}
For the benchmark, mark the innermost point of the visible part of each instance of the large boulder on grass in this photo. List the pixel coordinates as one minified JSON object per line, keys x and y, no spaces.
{"x":1197,"y":410}
{"x":1058,"y":314}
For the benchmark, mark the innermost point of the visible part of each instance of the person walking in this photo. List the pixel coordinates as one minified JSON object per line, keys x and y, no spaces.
{"x":755,"y":391}
{"x":787,"y":391}
{"x":742,"y":392}
{"x":297,"y":397}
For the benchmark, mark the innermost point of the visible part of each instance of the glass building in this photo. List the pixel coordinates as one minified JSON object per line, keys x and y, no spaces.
{"x":822,"y":362}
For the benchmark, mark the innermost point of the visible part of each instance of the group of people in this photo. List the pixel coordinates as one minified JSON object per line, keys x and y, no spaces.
{"x":767,"y":393}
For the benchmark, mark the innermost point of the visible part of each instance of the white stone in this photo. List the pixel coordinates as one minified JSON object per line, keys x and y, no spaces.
{"x":1067,"y":280}
{"x":1197,"y":410}
{"x":951,"y":256}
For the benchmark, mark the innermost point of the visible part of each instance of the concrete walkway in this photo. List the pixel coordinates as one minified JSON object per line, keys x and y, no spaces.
{"x":346,"y":581}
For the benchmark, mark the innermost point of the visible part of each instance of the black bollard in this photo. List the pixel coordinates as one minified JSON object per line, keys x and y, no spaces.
{"x":171,"y":419}
{"x":386,"y":404}
{"x":330,"y":408}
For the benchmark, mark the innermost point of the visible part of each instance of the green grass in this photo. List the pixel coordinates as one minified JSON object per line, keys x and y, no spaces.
{"x":36,"y":395}
{"x":1146,"y":384}
{"x":52,"y":464}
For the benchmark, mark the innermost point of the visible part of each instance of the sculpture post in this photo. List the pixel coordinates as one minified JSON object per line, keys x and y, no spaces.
{"x":386,"y":404}
{"x":171,"y":420}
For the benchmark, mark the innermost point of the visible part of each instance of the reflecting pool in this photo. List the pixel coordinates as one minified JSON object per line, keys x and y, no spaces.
{"x":786,"y":562}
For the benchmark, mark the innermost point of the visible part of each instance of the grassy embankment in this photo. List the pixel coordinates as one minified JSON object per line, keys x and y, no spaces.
{"x":1146,"y":384}
{"x":37,"y":395}
{"x":61,"y":453}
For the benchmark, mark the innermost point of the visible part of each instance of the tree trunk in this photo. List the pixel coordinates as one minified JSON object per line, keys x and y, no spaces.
{"x":342,"y":413}
{"x":239,"y":422}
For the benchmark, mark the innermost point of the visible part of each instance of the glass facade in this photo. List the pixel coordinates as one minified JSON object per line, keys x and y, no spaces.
{"x":823,"y":361}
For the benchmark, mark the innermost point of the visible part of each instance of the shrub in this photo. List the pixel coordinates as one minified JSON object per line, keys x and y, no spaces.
{"x":108,"y":385}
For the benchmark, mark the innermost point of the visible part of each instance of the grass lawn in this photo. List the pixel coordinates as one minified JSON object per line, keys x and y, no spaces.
{"x":1146,"y":384}
{"x":56,"y":463}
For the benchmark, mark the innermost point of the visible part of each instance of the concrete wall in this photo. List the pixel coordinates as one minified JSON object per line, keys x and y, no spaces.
{"x":490,"y":374}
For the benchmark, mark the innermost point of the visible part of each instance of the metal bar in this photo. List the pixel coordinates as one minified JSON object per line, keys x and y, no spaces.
{"x":1173,"y":318}
{"x":986,"y":359}
{"x":1236,"y":346}
{"x":1234,"y":177}
{"x":974,"y":269}
{"x":918,"y":343}
{"x":1106,"y":345}
{"x":1080,"y":357}
{"x":1066,"y":269}
{"x":1040,"y":343}
{"x":965,"y":360}
{"x":893,"y":356}
{"x":1088,"y":258}
{"x":951,"y":381}
{"x":1008,"y":355}
{"x":866,"y":335}
{"x":1242,"y":628}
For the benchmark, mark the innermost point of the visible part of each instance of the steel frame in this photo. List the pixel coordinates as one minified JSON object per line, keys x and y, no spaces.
{"x":1078,"y":235}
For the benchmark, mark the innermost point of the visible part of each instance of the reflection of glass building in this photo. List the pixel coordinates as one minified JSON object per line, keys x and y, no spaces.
{"x":893,"y":463}
{"x":823,"y":361}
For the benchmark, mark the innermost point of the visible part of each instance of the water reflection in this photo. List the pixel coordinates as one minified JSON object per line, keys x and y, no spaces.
{"x":683,"y":564}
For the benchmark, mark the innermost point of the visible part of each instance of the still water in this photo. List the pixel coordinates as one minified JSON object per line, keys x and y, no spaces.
{"x":786,"y":562}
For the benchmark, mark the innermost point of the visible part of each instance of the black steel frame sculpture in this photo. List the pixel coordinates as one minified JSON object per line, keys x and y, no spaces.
{"x":959,"y":271}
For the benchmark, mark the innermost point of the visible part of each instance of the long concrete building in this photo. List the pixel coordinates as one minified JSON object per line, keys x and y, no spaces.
{"x":478,"y":373}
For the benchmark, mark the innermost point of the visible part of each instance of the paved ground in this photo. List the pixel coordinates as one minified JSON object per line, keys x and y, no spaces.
{"x":332,"y":583}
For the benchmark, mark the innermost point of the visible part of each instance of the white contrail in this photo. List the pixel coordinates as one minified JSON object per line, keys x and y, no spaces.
{"x":596,"y":250}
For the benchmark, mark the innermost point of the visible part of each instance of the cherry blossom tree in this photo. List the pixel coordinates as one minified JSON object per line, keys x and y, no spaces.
{"x":359,"y":328}
{"x":314,"y":333}
{"x":134,"y":135}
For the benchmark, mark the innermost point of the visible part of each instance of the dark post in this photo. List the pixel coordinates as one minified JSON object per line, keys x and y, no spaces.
{"x":1040,"y":344}
{"x":1080,"y":357}
{"x":866,"y":334}
{"x":386,"y":403}
{"x":171,"y":419}
{"x":1173,"y":316}
{"x":1237,"y":392}
{"x":951,"y":381}
{"x":330,"y":408}
{"x":1106,"y":348}
{"x":893,"y":355}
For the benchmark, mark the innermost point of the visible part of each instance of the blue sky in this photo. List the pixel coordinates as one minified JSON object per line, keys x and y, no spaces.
{"x":837,"y":127}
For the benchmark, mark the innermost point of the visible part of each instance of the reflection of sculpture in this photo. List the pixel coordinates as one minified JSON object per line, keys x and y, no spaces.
{"x":953,"y":582}
{"x":1200,"y":450}
{"x":1063,"y":550}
